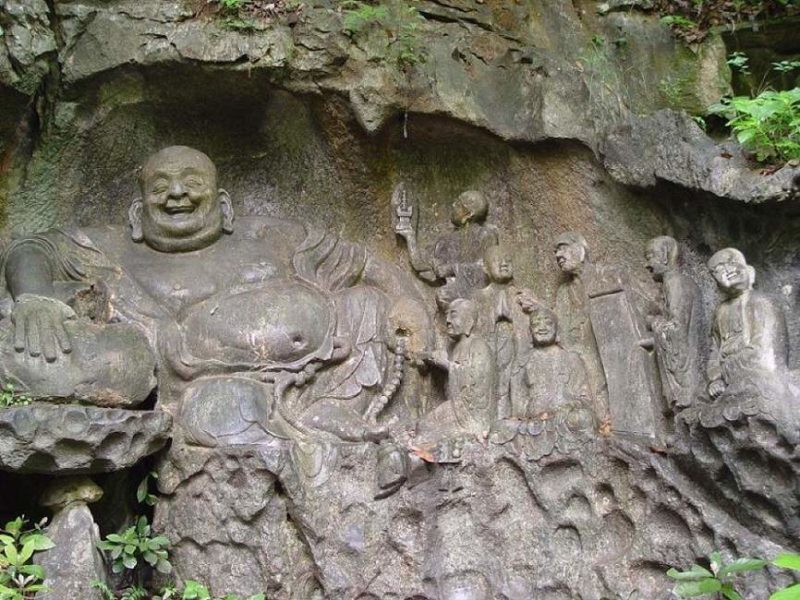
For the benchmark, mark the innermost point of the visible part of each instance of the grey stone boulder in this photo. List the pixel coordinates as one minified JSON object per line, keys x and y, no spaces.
{"x":75,"y":562}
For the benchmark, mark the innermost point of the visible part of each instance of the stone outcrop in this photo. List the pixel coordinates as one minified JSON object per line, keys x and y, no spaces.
{"x":50,"y":438}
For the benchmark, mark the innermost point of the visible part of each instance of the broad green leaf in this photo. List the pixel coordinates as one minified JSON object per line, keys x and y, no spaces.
{"x":788,"y":560}
{"x":695,"y":573}
{"x":161,"y":540}
{"x":141,"y":491}
{"x":40,"y":541}
{"x":716,"y":561}
{"x":789,"y":593}
{"x":692,"y":589}
{"x":164,"y":566}
{"x":729,"y":593}
{"x":129,"y":562}
{"x":745,"y":136}
{"x":11,"y":555}
{"x":740,"y":565}
{"x":26,"y":552}
{"x":35,"y":570}
{"x":195,"y":591}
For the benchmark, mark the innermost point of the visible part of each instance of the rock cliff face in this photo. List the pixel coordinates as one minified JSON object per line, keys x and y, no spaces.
{"x":567,"y":115}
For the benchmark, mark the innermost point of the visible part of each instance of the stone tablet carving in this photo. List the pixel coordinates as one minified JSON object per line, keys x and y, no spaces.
{"x":601,"y":323}
{"x":678,"y":326}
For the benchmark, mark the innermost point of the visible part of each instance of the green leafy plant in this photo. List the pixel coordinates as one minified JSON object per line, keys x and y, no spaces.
{"x":785,"y":66}
{"x":739,"y":62}
{"x":400,"y":21}
{"x":699,"y":581}
{"x":253,"y":15}
{"x":358,"y":16}
{"x":143,"y":495}
{"x":133,"y":593}
{"x":694,"y":19}
{"x":20,"y":579}
{"x":767,"y":125}
{"x":719,"y":581}
{"x":678,"y":22}
{"x":10,"y":397}
{"x":787,"y":561}
{"x":197,"y":591}
{"x":135,"y":547}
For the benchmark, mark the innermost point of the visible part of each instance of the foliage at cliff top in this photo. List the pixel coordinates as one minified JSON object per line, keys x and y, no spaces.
{"x":692,"y":19}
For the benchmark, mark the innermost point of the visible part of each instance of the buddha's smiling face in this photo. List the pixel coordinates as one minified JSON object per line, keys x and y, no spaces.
{"x":181,"y":206}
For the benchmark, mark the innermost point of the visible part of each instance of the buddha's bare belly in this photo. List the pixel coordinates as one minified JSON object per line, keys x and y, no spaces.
{"x":280,"y":321}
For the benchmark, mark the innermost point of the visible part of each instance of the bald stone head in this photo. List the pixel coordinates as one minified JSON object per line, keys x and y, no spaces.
{"x":543,"y":326}
{"x":571,"y":252}
{"x":181,"y":208}
{"x":731,"y":272}
{"x":661,"y":256}
{"x":470,"y":207}
{"x":460,"y":318}
{"x":497,"y":264}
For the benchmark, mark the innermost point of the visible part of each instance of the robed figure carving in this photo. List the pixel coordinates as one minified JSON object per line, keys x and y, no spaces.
{"x":748,"y":365}
{"x":678,"y":326}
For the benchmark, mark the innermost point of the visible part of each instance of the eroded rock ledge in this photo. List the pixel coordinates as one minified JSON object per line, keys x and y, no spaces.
{"x":526,"y":72}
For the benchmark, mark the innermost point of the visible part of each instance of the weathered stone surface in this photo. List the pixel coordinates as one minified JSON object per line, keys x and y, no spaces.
{"x":749,"y":462}
{"x":50,"y":438}
{"x":312,"y":127}
{"x":492,"y":524}
{"x":75,"y":562}
{"x":28,"y":44}
{"x":685,"y":156}
{"x":526,"y":72}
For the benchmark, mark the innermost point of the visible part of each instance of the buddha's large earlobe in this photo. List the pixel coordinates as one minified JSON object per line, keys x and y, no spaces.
{"x":227,"y":211}
{"x":135,"y":220}
{"x":752,"y":272}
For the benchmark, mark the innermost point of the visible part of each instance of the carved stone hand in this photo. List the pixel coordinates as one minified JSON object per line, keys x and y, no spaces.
{"x":39,"y":326}
{"x":716,"y":387}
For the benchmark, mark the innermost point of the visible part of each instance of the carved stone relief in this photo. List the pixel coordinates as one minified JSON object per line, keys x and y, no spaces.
{"x":333,"y":438}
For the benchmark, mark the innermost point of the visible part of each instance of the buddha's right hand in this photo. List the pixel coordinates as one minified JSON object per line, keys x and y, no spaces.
{"x":39,"y":326}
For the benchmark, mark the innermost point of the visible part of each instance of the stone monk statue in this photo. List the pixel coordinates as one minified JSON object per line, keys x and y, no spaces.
{"x":470,"y":406}
{"x":257,"y":327}
{"x":678,"y":327}
{"x":750,"y":349}
{"x":455,"y":258}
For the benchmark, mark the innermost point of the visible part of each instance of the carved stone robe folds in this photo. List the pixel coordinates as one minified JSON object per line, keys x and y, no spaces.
{"x":470,"y":385}
{"x":678,"y":334}
{"x":750,"y":353}
{"x":504,"y":325}
{"x":273,"y":297}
